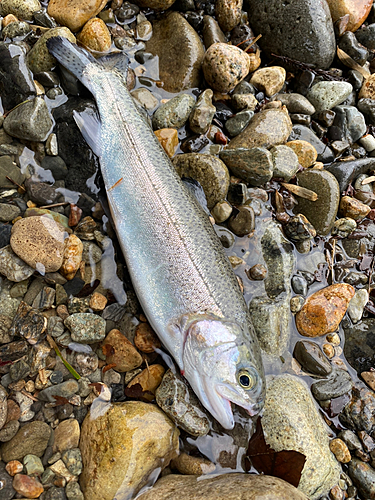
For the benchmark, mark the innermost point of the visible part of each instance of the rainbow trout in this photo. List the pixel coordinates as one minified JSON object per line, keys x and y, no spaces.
{"x":182,"y":277}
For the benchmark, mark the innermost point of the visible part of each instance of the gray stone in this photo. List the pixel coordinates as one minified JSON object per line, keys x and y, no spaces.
{"x":9,"y":431}
{"x":328,"y":94}
{"x":15,"y":29}
{"x":237,"y":123}
{"x":73,"y":491}
{"x":203,"y":112}
{"x":19,"y":369}
{"x":343,"y":227}
{"x":291,"y":421}
{"x":299,"y":285}
{"x":252,"y":165}
{"x":65,"y":390}
{"x":6,"y":481}
{"x":209,"y":171}
{"x":30,"y":120}
{"x":311,"y":358}
{"x":363,"y":476}
{"x":32,"y":438}
{"x":179,"y":402}
{"x":322,"y":212}
{"x":296,"y":103}
{"x":73,"y":460}
{"x":56,"y":165}
{"x":359,"y":413}
{"x":349,"y":44}
{"x":367,"y":106}
{"x":346,"y":171}
{"x":8,"y":212}
{"x":285,"y":162}
{"x":350,"y":439}
{"x":222,"y":487}
{"x":9,"y":169}
{"x":301,"y":29}
{"x":33,"y":465}
{"x":11,"y":266}
{"x":350,"y":123}
{"x":86,"y":328}
{"x":174,"y":113}
{"x":359,"y":345}
{"x":302,"y":133}
{"x":173,"y":39}
{"x":357,"y":304}
{"x":366,"y":36}
{"x":337,"y":384}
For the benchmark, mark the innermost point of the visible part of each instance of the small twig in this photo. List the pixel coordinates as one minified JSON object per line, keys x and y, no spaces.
{"x":56,"y":205}
{"x":29,"y":395}
{"x":298,"y":65}
{"x":16,"y":184}
{"x":368,"y":180}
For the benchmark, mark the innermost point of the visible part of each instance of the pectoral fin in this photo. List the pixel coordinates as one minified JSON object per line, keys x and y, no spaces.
{"x":89,"y":124}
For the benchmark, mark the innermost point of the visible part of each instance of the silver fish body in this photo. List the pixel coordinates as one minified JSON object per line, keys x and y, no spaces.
{"x":179,"y":270}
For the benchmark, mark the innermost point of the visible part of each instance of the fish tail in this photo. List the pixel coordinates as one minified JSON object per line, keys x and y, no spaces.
{"x":71,"y":57}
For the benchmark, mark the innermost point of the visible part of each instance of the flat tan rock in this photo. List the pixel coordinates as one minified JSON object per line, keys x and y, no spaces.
{"x":39,"y":241}
{"x":66,"y":435}
{"x":121,"y":445}
{"x":74,"y":13}
{"x":324,"y":309}
{"x":269,"y":80}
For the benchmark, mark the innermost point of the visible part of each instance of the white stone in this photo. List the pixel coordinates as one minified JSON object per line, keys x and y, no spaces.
{"x":368,"y":142}
{"x":357,"y":305}
{"x":327,"y":95}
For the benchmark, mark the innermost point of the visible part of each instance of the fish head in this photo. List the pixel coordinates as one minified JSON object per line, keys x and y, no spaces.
{"x":223,"y":366}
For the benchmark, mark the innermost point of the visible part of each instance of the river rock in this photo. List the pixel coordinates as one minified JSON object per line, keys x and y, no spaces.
{"x":311,"y":358}
{"x":269,"y":80}
{"x":174,"y":113}
{"x":228,"y":13}
{"x":32,"y":438}
{"x":16,"y":80}
{"x":267,"y":128}
{"x":86,"y":328}
{"x":347,"y":171}
{"x":209,"y":171}
{"x":30,"y":120}
{"x":121,"y":352}
{"x":326,"y":95}
{"x":211,"y":32}
{"x":296,"y":103}
{"x":39,"y":241}
{"x":202,"y":114}
{"x":308,"y":25}
{"x":6,"y":480}
{"x":358,"y":348}
{"x":322,"y":212}
{"x":253,"y":165}
{"x":357,"y":10}
{"x":39,"y":58}
{"x":22,"y":9}
{"x":11,"y":266}
{"x":337,"y":384}
{"x":303,"y":133}
{"x":285,"y":162}
{"x":224,"y":66}
{"x":95,"y":35}
{"x":349,"y":123}
{"x":139,"y":435}
{"x":73,"y":13}
{"x":363,"y":476}
{"x":173,"y":39}
{"x":66,"y":435}
{"x":180,"y":403}
{"x":324,"y":310}
{"x":65,"y":390}
{"x":291,"y":421}
{"x":223,"y":487}
{"x":359,"y":413}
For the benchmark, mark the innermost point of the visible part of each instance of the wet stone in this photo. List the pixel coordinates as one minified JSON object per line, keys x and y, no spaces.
{"x":174,"y":39}
{"x":347,"y":171}
{"x":23,"y":10}
{"x":211,"y":32}
{"x":299,"y":285}
{"x":336,"y":385}
{"x":32,"y":438}
{"x":298,"y":228}
{"x":312,"y":40}
{"x":237,"y":123}
{"x":253,"y":165}
{"x":73,"y":461}
{"x":27,"y":486}
{"x":56,"y":165}
{"x":180,"y":403}
{"x":65,"y":390}
{"x":302,"y":133}
{"x":121,"y":352}
{"x":343,"y":227}
{"x":95,"y":35}
{"x":311,"y":358}
{"x":352,"y":208}
{"x":322,"y":212}
{"x":11,"y":266}
{"x":358,"y":348}
{"x":363,"y":476}
{"x":269,"y":80}
{"x":349,"y":124}
{"x":242,"y":222}
{"x":285,"y":162}
{"x":350,"y":439}
{"x":5,"y":230}
{"x":357,"y":305}
{"x":19,"y":370}
{"x":41,"y":192}
{"x":173,"y":113}
{"x":30,"y":120}
{"x":202,"y":114}
{"x":244,"y":101}
{"x":296,"y":103}
{"x":28,"y":323}
{"x":340,"y":450}
{"x":86,"y":328}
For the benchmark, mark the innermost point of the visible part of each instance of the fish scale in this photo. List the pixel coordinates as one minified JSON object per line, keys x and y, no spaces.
{"x":179,"y":270}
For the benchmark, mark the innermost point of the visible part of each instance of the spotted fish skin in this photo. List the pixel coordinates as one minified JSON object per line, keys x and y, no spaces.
{"x":179,"y":270}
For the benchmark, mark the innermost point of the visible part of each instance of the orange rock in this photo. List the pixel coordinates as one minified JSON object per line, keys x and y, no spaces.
{"x":119,"y":351}
{"x":75,"y":215}
{"x":74,"y":13}
{"x":168,"y":138}
{"x":72,"y":256}
{"x":98,"y":302}
{"x":305,"y":151}
{"x":14,"y":467}
{"x":10,"y":18}
{"x":95,"y":35}
{"x":353,"y":208}
{"x":145,"y":338}
{"x":149,"y":379}
{"x":358,"y":10}
{"x":27,"y":486}
{"x":323,"y":310}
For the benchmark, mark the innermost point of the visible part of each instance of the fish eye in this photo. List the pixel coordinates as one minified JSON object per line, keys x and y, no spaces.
{"x":246,"y":379}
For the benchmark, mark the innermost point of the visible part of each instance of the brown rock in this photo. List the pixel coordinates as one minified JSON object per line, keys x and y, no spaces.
{"x":305,"y":151}
{"x":269,"y":80}
{"x":98,"y":302}
{"x":66,"y":435}
{"x":358,"y":10}
{"x":353,"y":208}
{"x":190,"y":465}
{"x":340,"y":450}
{"x":223,"y":487}
{"x":224,"y":66}
{"x":369,"y":378}
{"x":14,"y":467}
{"x":228,"y":13}
{"x":95,"y":35}
{"x":368,"y":88}
{"x":168,"y":138}
{"x":31,"y":439}
{"x":27,"y":486}
{"x":74,"y":13}
{"x":39,"y":241}
{"x":173,"y":39}
{"x":149,"y":379}
{"x":145,"y":338}
{"x":323,"y":310}
{"x":267,"y":128}
{"x":122,"y":447}
{"x":121,"y":352}
{"x":14,"y":411}
{"x":72,"y":256}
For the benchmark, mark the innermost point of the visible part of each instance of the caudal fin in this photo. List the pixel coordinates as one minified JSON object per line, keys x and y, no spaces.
{"x":72,"y":57}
